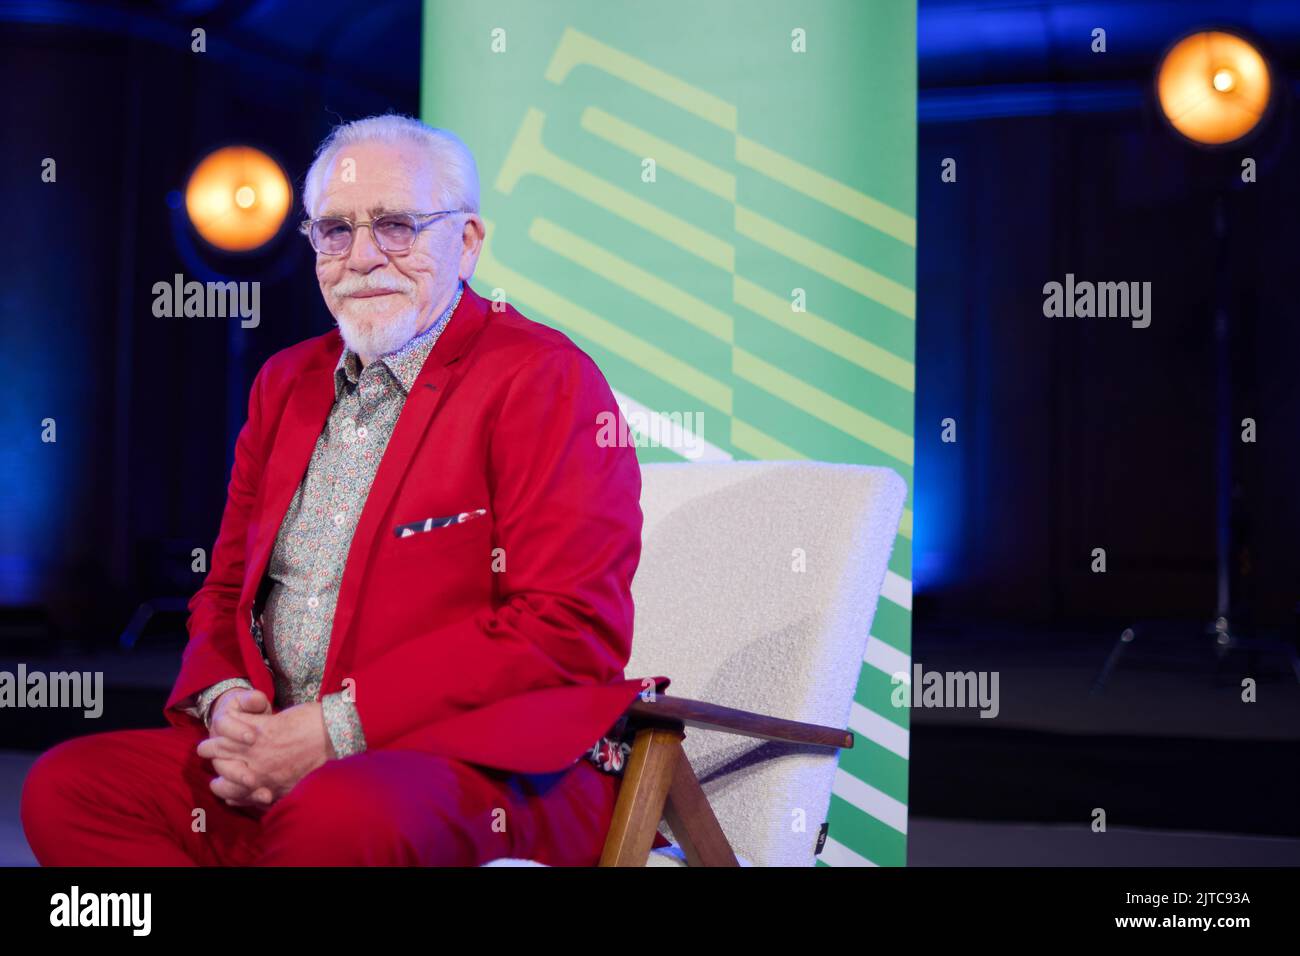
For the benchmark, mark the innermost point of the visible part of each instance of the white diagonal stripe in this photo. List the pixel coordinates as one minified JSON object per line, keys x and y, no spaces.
{"x":870,"y":801}
{"x":664,"y":426}
{"x":879,"y":730}
{"x":888,"y":659}
{"x":835,"y":853}
{"x":897,"y":589}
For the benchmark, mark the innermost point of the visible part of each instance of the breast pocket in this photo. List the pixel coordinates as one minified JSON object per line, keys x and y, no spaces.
{"x":423,"y":536}
{"x":427,"y":577}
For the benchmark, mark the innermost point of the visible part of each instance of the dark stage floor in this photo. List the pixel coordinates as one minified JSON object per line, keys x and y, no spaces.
{"x":1187,"y":773}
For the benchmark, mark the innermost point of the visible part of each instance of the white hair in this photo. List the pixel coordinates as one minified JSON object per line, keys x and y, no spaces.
{"x":458,"y":179}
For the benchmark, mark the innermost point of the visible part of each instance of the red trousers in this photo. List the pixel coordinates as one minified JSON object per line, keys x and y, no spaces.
{"x":133,"y":798}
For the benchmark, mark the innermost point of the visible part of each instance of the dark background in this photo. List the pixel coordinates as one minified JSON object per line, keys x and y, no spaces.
{"x":1072,"y":433}
{"x":148,"y":408}
{"x":1084,"y":433}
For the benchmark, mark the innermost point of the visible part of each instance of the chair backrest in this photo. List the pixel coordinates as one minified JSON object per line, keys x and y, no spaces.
{"x":756,"y":589}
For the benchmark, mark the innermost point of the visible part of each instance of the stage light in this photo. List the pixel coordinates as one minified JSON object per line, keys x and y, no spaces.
{"x":237,"y":198}
{"x":1213,"y":87}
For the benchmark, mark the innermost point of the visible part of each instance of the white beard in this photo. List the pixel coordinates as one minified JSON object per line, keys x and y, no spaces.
{"x":369,"y":334}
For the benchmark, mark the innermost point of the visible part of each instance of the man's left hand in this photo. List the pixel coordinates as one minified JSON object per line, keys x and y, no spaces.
{"x":286,"y":747}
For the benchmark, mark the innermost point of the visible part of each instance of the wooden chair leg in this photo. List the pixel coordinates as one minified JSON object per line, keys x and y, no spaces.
{"x":656,"y":752}
{"x":694,"y":824}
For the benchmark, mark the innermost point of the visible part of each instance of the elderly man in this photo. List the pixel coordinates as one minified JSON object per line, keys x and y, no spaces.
{"x":410,"y":646}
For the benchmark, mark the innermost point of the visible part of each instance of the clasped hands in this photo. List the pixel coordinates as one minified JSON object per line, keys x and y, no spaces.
{"x":259,"y":755}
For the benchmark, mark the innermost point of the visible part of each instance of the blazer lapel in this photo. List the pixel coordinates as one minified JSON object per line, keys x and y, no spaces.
{"x":304,"y":418}
{"x":421,"y":404}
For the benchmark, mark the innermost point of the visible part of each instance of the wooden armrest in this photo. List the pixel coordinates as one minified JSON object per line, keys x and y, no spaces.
{"x":729,"y":720}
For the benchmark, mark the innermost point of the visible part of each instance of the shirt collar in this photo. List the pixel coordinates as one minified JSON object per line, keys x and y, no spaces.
{"x":406,"y":362}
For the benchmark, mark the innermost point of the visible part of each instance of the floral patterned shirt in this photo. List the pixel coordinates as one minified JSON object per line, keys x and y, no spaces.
{"x":311,"y":547}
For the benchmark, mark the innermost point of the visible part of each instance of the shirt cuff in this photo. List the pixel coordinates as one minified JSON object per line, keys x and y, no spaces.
{"x":343,"y":724}
{"x":208,"y":697}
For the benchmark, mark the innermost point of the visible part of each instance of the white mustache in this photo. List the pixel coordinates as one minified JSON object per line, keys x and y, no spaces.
{"x":370,"y":283}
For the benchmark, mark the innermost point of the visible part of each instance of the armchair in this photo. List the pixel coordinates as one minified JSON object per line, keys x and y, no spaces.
{"x":756,"y":592}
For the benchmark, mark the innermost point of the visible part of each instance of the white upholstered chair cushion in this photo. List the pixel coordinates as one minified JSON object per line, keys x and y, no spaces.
{"x":756,"y":589}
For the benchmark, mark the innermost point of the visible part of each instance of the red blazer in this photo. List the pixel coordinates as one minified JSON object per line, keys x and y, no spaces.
{"x":518,"y":668}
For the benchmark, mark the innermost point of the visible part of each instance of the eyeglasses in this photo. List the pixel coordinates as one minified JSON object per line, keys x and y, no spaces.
{"x":393,"y":232}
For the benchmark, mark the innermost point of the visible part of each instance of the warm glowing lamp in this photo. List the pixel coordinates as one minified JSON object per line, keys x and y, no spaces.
{"x":237,"y":198}
{"x":1213,"y":87}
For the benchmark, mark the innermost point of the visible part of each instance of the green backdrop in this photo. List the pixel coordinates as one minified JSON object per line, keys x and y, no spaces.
{"x":716,"y":201}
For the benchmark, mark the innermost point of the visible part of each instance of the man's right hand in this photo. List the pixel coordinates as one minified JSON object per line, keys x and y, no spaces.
{"x":227,"y":721}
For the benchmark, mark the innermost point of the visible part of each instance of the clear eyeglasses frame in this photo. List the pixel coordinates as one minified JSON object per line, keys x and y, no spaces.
{"x":393,"y":232}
